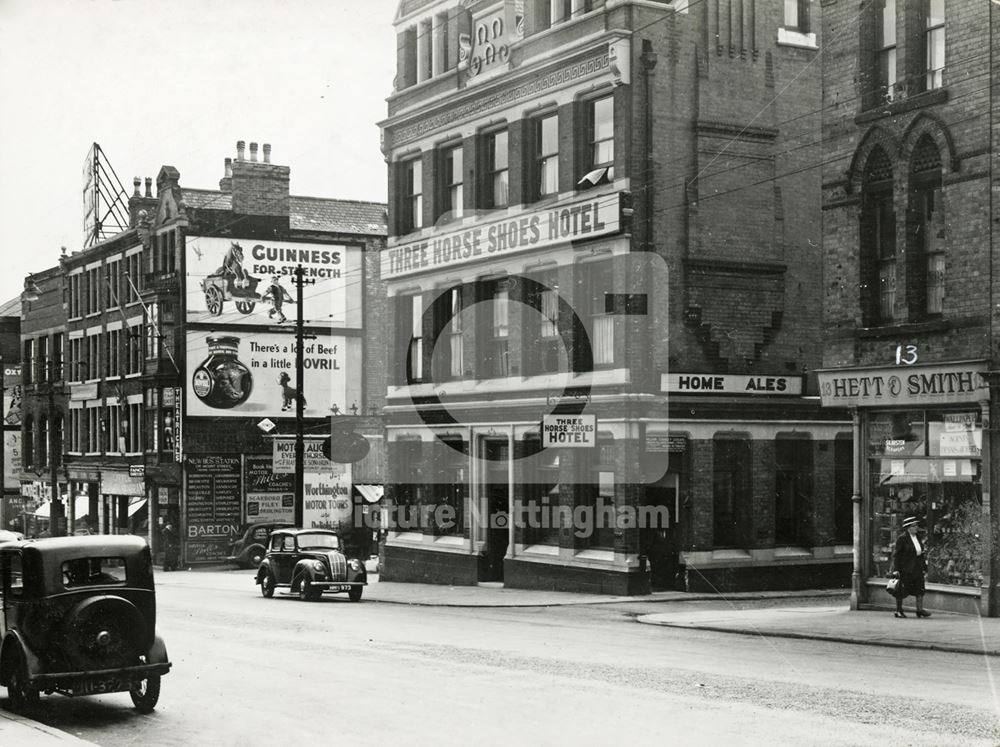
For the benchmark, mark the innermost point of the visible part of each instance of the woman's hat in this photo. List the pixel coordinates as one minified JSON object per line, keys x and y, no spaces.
{"x":910,"y":521}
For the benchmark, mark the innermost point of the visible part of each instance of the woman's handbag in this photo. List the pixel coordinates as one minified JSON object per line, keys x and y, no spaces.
{"x":894,"y":586}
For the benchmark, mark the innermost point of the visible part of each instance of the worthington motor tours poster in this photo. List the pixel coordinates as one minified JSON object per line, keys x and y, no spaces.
{"x":239,"y":374}
{"x":250,"y":281}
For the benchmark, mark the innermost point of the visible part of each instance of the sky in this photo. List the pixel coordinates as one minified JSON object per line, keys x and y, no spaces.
{"x":178,"y":82}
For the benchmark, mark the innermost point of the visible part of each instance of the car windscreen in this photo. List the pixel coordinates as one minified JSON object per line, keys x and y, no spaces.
{"x":81,"y":572}
{"x":321,"y":541}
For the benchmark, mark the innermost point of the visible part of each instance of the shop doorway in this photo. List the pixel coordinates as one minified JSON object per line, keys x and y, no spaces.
{"x":659,"y":540}
{"x":494,"y":456}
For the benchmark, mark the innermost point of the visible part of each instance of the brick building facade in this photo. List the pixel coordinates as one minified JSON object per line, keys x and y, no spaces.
{"x":604,"y":218}
{"x":909,"y":297}
{"x":173,"y":350}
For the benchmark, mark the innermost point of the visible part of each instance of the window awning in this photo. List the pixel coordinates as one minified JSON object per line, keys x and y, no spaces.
{"x":82,"y":504}
{"x":371,"y":493}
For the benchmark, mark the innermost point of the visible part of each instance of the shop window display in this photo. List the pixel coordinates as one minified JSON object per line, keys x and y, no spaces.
{"x":928,"y":464}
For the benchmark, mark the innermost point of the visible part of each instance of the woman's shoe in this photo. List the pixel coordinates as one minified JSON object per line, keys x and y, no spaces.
{"x":923,"y":613}
{"x":900,"y":614}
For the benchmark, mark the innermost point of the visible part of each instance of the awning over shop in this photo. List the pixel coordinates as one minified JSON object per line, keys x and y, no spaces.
{"x":371,"y":493}
{"x":82,"y":507}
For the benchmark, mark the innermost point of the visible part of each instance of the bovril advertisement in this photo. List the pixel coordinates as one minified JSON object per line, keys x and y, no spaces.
{"x":237,"y":374}
{"x":250,"y":282}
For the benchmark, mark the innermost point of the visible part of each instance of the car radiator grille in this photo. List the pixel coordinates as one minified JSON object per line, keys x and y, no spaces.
{"x":338,"y":566}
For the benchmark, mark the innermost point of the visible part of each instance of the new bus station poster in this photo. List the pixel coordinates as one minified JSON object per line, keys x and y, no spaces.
{"x":213,"y":491}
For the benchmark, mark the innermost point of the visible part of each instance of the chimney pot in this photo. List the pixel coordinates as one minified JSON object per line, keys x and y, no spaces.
{"x":149,"y":186}
{"x":229,"y":167}
{"x":267,"y":153}
{"x":136,"y":181}
{"x":240,"y":146}
{"x":253,"y":152}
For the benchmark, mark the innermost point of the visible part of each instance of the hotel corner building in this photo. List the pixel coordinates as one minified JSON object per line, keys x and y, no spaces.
{"x":911,"y":292}
{"x":603,"y":265}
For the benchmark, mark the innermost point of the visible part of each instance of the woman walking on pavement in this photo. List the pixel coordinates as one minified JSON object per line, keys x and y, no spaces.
{"x":909,"y":559}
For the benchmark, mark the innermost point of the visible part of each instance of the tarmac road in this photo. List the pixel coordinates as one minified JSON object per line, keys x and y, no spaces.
{"x":251,"y":671}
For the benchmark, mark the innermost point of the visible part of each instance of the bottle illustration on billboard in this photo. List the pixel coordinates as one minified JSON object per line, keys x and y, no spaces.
{"x":222,"y":381}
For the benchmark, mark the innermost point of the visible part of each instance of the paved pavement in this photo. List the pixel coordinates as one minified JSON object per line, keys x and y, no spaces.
{"x":18,"y":731}
{"x":941,"y":632}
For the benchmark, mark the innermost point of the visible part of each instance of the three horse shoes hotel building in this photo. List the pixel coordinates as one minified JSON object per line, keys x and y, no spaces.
{"x":542,"y":297}
{"x":922,"y":440}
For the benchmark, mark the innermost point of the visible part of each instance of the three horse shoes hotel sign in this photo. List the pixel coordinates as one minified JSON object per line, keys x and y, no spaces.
{"x":904,"y":386}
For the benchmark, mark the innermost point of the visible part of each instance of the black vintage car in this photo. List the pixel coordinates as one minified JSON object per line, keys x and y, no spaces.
{"x":310,"y":562}
{"x":79,"y":618}
{"x":250,"y":545}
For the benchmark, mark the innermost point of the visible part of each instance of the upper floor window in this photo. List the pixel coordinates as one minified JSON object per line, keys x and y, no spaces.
{"x":493,"y":322}
{"x":600,"y":157}
{"x":934,"y":44}
{"x":594,"y":284}
{"x":797,"y":15}
{"x":545,"y":13}
{"x":927,"y":229}
{"x":496,"y":169}
{"x":29,"y":360}
{"x":878,"y":236}
{"x":44,"y":364}
{"x":449,"y":339}
{"x":58,"y":354}
{"x":542,"y":343}
{"x":545,"y":134}
{"x":410,"y":338}
{"x":411,"y":197}
{"x":885,"y":46}
{"x":407,"y":74}
{"x":452,"y":193}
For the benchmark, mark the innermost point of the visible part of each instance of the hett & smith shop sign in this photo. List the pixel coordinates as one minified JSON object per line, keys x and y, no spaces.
{"x":904,"y":386}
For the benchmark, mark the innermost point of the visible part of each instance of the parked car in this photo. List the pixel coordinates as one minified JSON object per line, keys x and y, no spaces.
{"x":250,"y":545}
{"x":7,"y":535}
{"x":79,"y":618}
{"x":310,"y":562}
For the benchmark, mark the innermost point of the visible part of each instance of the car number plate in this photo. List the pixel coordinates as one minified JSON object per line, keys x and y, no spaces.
{"x":96,"y":687}
{"x":344,"y":587}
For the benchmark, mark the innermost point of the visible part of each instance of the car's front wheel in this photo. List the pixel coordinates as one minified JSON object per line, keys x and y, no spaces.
{"x":354,"y":593}
{"x":145,"y":693}
{"x":267,"y":584}
{"x":308,"y":592}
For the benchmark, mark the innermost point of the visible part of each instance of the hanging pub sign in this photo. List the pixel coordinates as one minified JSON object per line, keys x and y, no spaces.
{"x":569,"y":431}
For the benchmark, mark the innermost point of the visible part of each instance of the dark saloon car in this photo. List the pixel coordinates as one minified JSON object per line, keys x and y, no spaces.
{"x":310,"y":562}
{"x":79,"y":618}
{"x":250,"y":545}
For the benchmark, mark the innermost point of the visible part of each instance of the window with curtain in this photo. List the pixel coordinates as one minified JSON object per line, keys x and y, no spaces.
{"x":452,"y":190}
{"x":496,"y":169}
{"x":546,"y":152}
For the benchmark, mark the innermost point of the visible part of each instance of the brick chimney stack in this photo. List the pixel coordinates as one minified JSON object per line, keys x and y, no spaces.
{"x":226,"y":182}
{"x":260,"y":188}
{"x":140,"y":202}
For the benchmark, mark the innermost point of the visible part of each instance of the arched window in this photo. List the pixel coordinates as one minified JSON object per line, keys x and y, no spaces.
{"x":926,"y":230}
{"x":878,"y":241}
